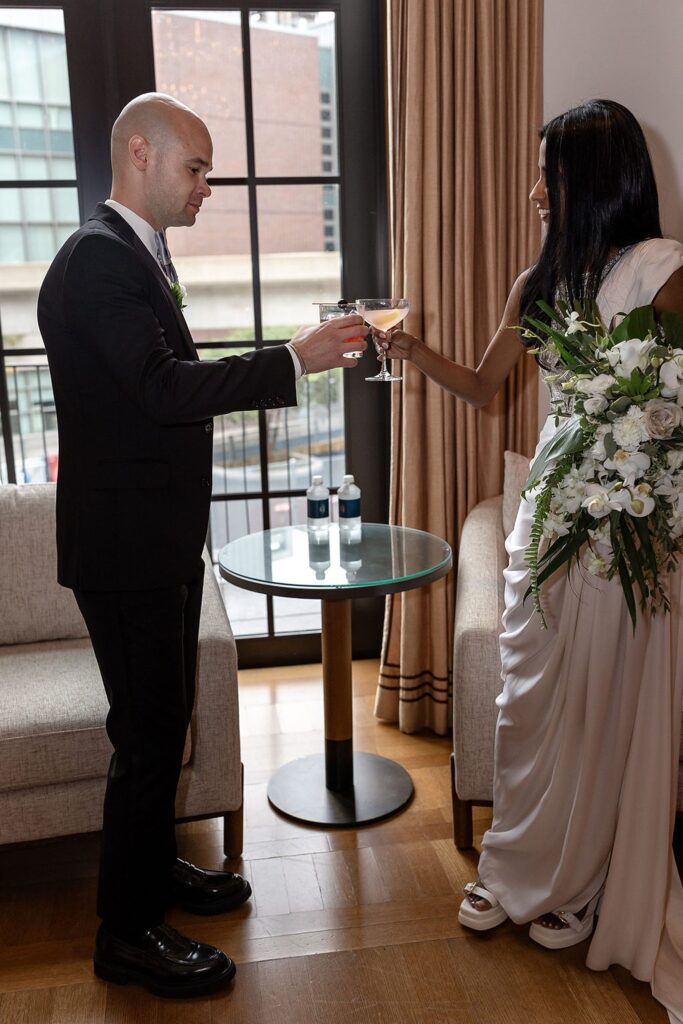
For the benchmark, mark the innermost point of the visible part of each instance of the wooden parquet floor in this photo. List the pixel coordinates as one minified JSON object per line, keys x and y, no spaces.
{"x":345,"y":927}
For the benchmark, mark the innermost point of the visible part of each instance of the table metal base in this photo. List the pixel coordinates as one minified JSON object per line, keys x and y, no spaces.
{"x":381,"y":787}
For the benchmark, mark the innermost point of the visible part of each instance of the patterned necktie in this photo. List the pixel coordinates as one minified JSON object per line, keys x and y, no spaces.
{"x":164,"y":256}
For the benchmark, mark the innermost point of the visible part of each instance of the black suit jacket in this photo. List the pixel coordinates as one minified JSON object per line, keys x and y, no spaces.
{"x":134,"y":412}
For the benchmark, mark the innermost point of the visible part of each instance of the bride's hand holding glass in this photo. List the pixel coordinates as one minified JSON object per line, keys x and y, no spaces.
{"x":394,"y":344}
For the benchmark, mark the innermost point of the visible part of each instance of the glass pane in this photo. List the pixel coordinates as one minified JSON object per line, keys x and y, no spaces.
{"x":213,"y":261}
{"x":299,"y":264}
{"x":198,"y":59}
{"x":236,"y":459}
{"x":8,"y":168}
{"x":33,"y":75}
{"x":24,"y":64}
{"x":230,"y":520}
{"x":11,"y":248}
{"x":37,"y":205}
{"x":40,"y":245}
{"x":29,"y":238}
{"x":294,"y":615}
{"x":294,"y":88}
{"x":10,"y":207}
{"x":29,"y":115}
{"x":53,"y":67}
{"x":33,"y":419}
{"x":308,"y":438}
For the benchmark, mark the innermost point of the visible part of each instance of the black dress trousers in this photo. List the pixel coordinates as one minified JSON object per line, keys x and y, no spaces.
{"x":145,"y":642}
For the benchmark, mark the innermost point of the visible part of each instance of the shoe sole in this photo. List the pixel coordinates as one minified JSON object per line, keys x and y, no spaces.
{"x":124,"y":975}
{"x":217,"y":907}
{"x":481,"y":920}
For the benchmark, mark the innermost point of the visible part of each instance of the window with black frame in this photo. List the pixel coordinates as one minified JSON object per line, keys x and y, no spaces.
{"x":38,"y":211}
{"x":265,"y":248}
{"x":297,"y":216}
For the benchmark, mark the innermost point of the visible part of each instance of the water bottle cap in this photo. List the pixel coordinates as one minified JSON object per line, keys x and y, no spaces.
{"x":348,"y":478}
{"x":316,"y":479}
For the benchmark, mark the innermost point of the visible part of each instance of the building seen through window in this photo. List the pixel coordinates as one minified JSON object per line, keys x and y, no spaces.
{"x":284,"y":227}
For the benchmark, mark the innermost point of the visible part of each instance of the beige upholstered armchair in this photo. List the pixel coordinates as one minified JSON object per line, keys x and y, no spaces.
{"x":476,"y":657}
{"x":54,"y":751}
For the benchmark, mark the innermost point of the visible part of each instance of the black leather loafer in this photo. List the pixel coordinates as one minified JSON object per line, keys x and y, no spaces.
{"x":207,"y":892}
{"x":163,"y":961}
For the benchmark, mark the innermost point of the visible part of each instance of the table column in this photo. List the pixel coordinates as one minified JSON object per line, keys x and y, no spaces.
{"x":338,"y":695}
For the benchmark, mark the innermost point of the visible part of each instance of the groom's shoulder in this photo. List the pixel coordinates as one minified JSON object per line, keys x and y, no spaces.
{"x":93,"y":247}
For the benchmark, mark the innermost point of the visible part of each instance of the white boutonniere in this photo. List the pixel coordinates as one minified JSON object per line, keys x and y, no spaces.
{"x":179,"y":294}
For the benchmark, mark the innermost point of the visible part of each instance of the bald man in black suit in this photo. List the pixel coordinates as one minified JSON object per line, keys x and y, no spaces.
{"x":134,"y":410}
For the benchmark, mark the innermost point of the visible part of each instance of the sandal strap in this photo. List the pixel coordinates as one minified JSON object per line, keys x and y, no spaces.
{"x":477,"y":889}
{"x":570,"y":919}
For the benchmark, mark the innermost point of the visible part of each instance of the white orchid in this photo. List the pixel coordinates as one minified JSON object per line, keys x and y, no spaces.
{"x":629,"y":465}
{"x":600,"y":502}
{"x":637,"y":501}
{"x":671,"y":376}
{"x":629,"y":355}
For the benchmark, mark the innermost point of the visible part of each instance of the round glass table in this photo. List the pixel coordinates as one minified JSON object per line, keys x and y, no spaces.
{"x":339,"y":787}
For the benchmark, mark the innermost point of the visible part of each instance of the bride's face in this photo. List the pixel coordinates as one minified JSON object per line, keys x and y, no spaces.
{"x":539,"y":193}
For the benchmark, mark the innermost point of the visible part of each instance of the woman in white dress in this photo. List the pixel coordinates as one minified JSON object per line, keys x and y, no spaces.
{"x":588,"y":733}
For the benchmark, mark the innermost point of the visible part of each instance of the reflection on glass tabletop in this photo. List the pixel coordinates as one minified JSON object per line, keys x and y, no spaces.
{"x":290,"y":559}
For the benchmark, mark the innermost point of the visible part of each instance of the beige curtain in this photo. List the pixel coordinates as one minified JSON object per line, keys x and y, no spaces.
{"x":464,"y":108}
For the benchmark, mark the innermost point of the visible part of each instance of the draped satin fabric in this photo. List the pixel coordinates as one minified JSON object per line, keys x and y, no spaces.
{"x":588,"y":738}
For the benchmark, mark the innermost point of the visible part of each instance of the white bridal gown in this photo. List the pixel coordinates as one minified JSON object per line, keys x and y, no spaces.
{"x":588,"y":738}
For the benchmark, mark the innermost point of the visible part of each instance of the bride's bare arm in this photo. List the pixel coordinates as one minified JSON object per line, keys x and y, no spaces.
{"x":474,"y":386}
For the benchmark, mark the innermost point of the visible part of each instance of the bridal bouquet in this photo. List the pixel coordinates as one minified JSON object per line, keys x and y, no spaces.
{"x":609,"y":484}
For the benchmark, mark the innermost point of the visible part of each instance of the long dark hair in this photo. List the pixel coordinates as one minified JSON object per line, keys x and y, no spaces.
{"x":602,"y":194}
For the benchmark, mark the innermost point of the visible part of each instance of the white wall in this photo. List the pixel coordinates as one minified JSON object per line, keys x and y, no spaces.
{"x":630,"y":51}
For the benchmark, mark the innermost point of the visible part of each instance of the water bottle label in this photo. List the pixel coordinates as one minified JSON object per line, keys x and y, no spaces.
{"x":349,"y":508}
{"x":318,"y":508}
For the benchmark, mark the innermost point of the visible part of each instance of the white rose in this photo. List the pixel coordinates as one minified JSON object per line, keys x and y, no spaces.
{"x":628,"y":431}
{"x":674,"y":460}
{"x":661,"y":418}
{"x":629,"y":355}
{"x":594,"y":406}
{"x":597,"y":450}
{"x":597,"y":385}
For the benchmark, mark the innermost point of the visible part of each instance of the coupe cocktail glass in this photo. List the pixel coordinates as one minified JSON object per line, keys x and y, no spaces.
{"x":384,"y":315}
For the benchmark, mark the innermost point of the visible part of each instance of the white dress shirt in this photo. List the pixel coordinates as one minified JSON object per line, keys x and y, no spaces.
{"x":145,"y":233}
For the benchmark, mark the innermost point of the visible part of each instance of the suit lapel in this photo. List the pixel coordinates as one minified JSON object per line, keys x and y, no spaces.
{"x":152,"y":265}
{"x":116,"y":223}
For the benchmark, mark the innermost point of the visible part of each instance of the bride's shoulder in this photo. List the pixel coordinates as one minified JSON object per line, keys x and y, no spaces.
{"x":652,"y":263}
{"x":657,"y":252}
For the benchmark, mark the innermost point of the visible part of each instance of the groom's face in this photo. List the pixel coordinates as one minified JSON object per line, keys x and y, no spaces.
{"x":181,"y":165}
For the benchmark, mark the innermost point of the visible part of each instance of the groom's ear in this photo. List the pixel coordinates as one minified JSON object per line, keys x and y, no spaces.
{"x":138,"y":151}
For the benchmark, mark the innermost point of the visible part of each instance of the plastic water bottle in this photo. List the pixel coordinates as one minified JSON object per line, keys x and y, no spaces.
{"x":318,"y":506}
{"x":349,"y":511}
{"x":318,"y":556}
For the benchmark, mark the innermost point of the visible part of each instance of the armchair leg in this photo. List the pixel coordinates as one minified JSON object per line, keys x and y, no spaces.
{"x":233,"y":829}
{"x":462,"y":815}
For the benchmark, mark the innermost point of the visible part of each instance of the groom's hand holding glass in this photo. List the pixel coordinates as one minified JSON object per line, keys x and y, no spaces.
{"x":331,"y":343}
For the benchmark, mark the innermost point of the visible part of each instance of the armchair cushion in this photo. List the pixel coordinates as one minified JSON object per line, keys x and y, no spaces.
{"x":515,"y":476}
{"x":33,"y":606}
